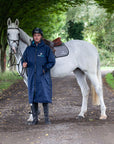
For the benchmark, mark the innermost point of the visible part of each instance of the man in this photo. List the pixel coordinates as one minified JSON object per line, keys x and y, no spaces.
{"x":38,"y":58}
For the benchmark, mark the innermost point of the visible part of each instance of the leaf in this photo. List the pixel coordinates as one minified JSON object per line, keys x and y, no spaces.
{"x":90,"y":119}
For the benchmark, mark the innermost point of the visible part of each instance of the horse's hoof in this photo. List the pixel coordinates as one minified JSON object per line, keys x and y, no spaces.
{"x":103,"y":117}
{"x":80,"y":117}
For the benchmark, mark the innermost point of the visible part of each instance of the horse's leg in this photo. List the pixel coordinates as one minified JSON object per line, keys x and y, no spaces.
{"x":81,"y":79}
{"x":98,"y":88}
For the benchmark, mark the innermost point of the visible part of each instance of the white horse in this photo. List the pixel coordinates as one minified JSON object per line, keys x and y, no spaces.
{"x":83,"y":61}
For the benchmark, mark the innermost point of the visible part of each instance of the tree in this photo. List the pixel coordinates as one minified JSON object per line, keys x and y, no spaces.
{"x":49,"y":15}
{"x":75,"y":30}
{"x":97,"y":23}
{"x":98,"y":28}
{"x":108,"y":4}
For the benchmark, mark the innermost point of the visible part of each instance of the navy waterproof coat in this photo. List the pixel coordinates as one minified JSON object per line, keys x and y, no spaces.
{"x":39,"y":58}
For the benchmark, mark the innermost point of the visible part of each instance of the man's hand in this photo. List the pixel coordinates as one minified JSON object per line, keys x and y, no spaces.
{"x":24,"y":64}
{"x":43,"y":71}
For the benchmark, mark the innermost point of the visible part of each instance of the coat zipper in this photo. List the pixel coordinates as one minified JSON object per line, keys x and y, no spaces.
{"x":35,"y":73}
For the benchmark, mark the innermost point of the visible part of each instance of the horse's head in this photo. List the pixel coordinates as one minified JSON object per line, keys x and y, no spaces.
{"x":13,"y":35}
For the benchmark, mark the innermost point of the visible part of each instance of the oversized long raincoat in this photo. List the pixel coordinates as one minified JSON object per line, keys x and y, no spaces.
{"x":39,"y":58}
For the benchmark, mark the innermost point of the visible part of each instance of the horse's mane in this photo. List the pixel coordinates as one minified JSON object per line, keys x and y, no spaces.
{"x":25,"y":37}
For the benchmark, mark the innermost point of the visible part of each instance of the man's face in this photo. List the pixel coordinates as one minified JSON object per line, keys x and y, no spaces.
{"x":37,"y":37}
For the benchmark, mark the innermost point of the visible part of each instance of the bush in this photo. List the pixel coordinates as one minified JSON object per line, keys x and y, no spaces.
{"x":106,"y":58}
{"x":110,"y":80}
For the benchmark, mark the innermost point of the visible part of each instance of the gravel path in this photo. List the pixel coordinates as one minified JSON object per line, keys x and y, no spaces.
{"x":65,"y":128}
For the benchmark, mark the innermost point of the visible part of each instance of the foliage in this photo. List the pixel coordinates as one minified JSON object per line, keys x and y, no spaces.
{"x":110,"y":80}
{"x":50,"y":16}
{"x":45,"y":14}
{"x":98,"y":24}
{"x":108,"y":4}
{"x":37,"y":13}
{"x":75,"y":30}
{"x":106,"y":58}
{"x":98,"y":28}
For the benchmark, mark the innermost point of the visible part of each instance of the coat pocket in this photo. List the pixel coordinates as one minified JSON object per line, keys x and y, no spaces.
{"x":47,"y":79}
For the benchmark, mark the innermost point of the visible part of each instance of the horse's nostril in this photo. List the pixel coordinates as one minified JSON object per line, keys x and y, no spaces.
{"x":14,"y":50}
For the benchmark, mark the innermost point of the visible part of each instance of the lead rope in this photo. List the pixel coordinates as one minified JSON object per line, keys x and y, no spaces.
{"x":13,"y":63}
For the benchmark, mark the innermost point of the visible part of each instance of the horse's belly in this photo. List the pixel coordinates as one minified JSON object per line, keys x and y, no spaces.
{"x":63,"y":67}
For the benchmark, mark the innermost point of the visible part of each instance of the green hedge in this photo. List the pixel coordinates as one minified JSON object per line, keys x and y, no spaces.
{"x":110,"y":80}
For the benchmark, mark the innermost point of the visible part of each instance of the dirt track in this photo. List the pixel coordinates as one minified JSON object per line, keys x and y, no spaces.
{"x":65,"y":128}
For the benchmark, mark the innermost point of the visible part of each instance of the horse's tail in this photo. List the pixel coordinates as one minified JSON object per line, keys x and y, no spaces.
{"x":95,"y":98}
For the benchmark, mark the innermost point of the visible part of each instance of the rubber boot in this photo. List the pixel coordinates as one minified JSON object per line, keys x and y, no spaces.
{"x":38,"y":111}
{"x":34,"y":109}
{"x":46,"y":113}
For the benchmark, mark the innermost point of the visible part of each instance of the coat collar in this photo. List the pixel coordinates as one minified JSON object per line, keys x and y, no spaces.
{"x":39,"y":44}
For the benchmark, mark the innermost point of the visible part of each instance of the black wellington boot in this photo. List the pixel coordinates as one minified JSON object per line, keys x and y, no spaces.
{"x":46,"y":113}
{"x":38,"y":111}
{"x":34,"y":109}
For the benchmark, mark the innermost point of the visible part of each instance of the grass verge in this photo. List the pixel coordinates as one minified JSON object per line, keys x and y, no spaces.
{"x":110,"y":80}
{"x":7,"y":79}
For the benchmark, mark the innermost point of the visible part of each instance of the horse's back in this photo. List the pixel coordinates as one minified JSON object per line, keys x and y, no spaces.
{"x":85,"y":54}
{"x":82,"y":45}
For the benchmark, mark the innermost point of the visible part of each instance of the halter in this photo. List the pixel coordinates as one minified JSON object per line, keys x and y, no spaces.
{"x":17,"y":41}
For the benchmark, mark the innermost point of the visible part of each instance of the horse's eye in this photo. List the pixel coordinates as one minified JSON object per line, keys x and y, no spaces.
{"x":8,"y":34}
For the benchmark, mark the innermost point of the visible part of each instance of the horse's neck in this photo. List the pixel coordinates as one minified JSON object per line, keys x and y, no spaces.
{"x":21,"y":48}
{"x":24,"y":41}
{"x":25,"y":37}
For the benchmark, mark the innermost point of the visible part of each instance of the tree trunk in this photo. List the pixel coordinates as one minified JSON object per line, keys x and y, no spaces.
{"x":3,"y":45}
{"x":3,"y":60}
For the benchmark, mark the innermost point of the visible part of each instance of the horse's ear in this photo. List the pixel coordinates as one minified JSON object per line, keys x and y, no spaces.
{"x":17,"y":22}
{"x":8,"y":21}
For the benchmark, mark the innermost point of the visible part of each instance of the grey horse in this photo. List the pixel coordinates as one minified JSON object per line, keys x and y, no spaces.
{"x":82,"y":60}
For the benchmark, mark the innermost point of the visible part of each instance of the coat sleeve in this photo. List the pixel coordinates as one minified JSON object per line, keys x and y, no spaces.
{"x":24,"y":57}
{"x":50,"y":59}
